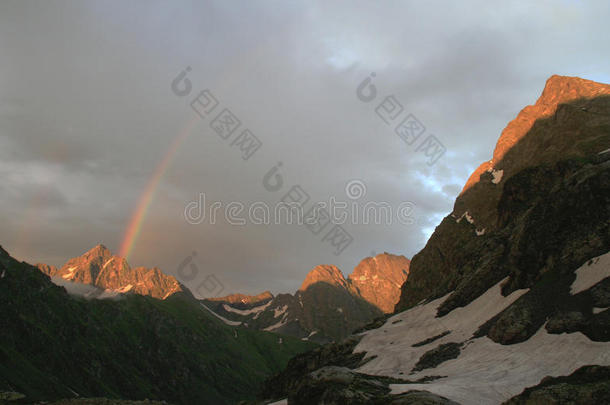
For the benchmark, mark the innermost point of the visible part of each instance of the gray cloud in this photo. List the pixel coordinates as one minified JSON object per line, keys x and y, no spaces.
{"x":87,"y":114}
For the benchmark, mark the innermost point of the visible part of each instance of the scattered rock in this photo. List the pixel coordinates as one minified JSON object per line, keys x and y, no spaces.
{"x":340,"y":385}
{"x":431,"y":339}
{"x":438,"y":355}
{"x":587,"y":385}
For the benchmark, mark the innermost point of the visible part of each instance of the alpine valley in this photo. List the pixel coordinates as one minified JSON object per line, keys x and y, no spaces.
{"x":508,"y":302}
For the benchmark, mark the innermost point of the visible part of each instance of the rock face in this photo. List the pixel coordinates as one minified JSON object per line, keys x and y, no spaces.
{"x":330,"y":275}
{"x":546,"y":145}
{"x":47,"y":269}
{"x":331,"y":305}
{"x":98,"y":267}
{"x":327,"y":307}
{"x":438,"y":355}
{"x":378,"y":279}
{"x":587,"y":385}
{"x":339,"y":385}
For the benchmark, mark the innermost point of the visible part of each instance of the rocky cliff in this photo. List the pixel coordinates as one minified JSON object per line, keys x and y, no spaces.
{"x":569,"y":123}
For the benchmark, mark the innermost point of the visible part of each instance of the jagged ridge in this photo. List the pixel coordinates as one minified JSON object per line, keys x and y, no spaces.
{"x":100,"y":268}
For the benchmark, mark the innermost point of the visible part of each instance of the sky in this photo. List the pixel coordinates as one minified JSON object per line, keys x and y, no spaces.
{"x":100,"y":143}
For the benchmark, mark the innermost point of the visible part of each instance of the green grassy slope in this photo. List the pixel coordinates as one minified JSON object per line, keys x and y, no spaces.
{"x":53,"y":345}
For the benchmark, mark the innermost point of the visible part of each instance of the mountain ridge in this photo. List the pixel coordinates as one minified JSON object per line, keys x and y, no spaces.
{"x":56,"y":345}
{"x":327,"y":306}
{"x":100,"y":268}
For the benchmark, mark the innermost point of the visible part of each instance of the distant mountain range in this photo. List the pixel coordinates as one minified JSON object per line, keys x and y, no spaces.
{"x":56,"y":344}
{"x":327,"y":307}
{"x":98,"y":298}
{"x":99,"y":268}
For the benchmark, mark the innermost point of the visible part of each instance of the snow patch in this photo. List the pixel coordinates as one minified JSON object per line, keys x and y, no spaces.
{"x":107,"y":262}
{"x":124,"y":289}
{"x":488,"y":372}
{"x":279,"y":311}
{"x":73,"y":392}
{"x":481,"y":232}
{"x":497,"y":176}
{"x":598,"y":310}
{"x":225,"y":320}
{"x":310,"y":335}
{"x":420,"y":323}
{"x":254,"y":310}
{"x":340,"y":310}
{"x":604,"y":151}
{"x":282,"y":322}
{"x":70,"y":272}
{"x":588,"y":275}
{"x":467,"y":216}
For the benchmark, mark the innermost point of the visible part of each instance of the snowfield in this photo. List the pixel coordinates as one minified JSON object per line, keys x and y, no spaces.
{"x":588,"y":275}
{"x":279,"y":324}
{"x":222,"y":318}
{"x":254,"y":310}
{"x":485,"y":372}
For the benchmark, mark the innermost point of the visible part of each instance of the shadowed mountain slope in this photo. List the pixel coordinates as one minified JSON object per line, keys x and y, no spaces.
{"x":56,"y":345}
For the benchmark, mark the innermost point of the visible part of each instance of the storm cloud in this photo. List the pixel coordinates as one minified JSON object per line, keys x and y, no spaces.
{"x":87,"y":115}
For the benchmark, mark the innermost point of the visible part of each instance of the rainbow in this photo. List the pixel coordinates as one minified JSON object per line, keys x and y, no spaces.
{"x":139,"y":214}
{"x":137,"y":218}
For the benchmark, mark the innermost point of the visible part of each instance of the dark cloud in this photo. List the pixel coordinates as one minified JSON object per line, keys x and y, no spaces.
{"x":87,"y":114}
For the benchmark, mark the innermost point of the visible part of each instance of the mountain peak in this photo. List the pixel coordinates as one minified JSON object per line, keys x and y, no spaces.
{"x":563,"y":89}
{"x":100,"y":268}
{"x":557,"y":90}
{"x":98,"y":250}
{"x":378,"y":279}
{"x":324,"y":273}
